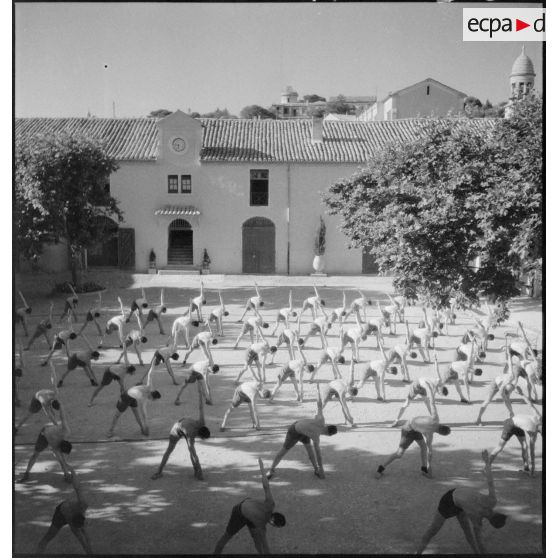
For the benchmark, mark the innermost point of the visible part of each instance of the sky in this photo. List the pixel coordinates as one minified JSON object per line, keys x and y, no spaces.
{"x":128,"y":59}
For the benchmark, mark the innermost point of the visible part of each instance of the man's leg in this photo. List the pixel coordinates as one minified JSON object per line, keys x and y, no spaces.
{"x":225,"y":418}
{"x":32,"y":461}
{"x":397,"y":455}
{"x":140,"y":419}
{"x":254,"y":415}
{"x":91,"y":375}
{"x":50,"y":534}
{"x":194,"y":459}
{"x":114,"y":421}
{"x":524,"y":452}
{"x":312,"y":457}
{"x":424,"y":459}
{"x":169,"y":370}
{"x":138,"y":353}
{"x":497,"y":450}
{"x":466,"y":526}
{"x":276,"y":460}
{"x":260,"y":541}
{"x":432,"y":530}
{"x":486,"y":402}
{"x":221,"y":543}
{"x":81,"y":535}
{"x":276,"y":387}
{"x":170,"y":448}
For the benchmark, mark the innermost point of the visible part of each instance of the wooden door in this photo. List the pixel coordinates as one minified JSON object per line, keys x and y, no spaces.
{"x":258,"y":246}
{"x":369,"y":265}
{"x":126,"y":248}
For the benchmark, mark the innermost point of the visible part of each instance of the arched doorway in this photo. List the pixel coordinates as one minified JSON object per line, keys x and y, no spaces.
{"x":180,"y":250}
{"x":105,"y":253}
{"x":258,"y":246}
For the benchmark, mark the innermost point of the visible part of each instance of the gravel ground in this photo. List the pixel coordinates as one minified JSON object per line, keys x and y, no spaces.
{"x":348,"y":512}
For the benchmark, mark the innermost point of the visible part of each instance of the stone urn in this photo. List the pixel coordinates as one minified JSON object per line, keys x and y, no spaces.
{"x":319,"y":264}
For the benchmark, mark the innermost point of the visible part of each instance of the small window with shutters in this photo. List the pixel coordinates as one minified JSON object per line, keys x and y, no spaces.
{"x":259,"y":187}
{"x":186,"y":184}
{"x":173,"y":183}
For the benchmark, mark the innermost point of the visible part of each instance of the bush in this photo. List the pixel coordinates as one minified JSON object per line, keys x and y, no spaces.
{"x":86,"y":287}
{"x":320,"y":239}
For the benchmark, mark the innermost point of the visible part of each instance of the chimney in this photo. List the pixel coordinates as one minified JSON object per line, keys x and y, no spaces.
{"x":317,"y":130}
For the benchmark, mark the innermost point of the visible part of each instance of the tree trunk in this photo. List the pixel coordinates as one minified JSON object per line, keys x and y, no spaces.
{"x":75,"y":265}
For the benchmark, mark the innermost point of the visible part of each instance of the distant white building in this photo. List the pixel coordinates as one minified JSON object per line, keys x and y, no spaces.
{"x":425,"y":98}
{"x":291,"y":107}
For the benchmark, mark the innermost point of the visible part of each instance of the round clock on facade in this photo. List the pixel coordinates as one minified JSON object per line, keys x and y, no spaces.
{"x":178,"y":145}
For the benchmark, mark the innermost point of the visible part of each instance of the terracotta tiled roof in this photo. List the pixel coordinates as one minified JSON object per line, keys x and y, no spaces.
{"x":425,"y":81}
{"x":237,"y":140}
{"x":126,"y":138}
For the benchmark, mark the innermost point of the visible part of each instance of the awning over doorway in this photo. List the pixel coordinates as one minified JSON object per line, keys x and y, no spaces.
{"x":177,"y":210}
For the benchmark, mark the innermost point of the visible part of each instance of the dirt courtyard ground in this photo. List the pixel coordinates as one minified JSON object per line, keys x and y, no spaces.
{"x":349,"y":512}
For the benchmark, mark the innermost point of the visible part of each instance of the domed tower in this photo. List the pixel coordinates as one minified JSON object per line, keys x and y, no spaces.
{"x":522,"y":77}
{"x":288,"y":95}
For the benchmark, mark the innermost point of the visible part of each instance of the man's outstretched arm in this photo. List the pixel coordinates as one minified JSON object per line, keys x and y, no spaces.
{"x":265,"y":482}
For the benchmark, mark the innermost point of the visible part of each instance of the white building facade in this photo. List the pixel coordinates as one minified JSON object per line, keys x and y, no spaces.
{"x":247,"y":191}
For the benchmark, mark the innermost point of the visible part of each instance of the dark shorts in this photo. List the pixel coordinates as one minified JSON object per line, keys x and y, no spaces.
{"x":58,"y":344}
{"x":108,"y":377}
{"x":251,"y":356}
{"x":408,"y":437}
{"x":193,"y":377}
{"x":154,"y":314}
{"x":453,"y":375}
{"x":510,"y":429}
{"x":417,"y":389}
{"x":293,"y":436}
{"x":285,"y":373}
{"x":58,"y":519}
{"x":237,"y":521}
{"x":89,"y":317}
{"x":35,"y":405}
{"x":447,"y":507}
{"x":125,"y":401}
{"x":239,"y":397}
{"x":41,"y":443}
{"x":73,"y":362}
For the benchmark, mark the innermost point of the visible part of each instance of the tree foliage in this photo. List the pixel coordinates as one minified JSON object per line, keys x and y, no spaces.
{"x":159,"y":113}
{"x":60,"y":193}
{"x":313,"y":98}
{"x":316,"y":112}
{"x":320,"y":238}
{"x":256,"y":111}
{"x":472,"y":107}
{"x":339,"y":105}
{"x":426,"y":209}
{"x":218,"y":113}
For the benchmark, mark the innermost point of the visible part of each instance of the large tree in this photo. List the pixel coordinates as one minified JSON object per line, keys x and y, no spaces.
{"x":313,"y":98}
{"x":339,"y":105}
{"x":256,"y":111}
{"x":60,"y":193}
{"x":159,"y":113}
{"x":219,"y":113}
{"x":428,"y":208}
